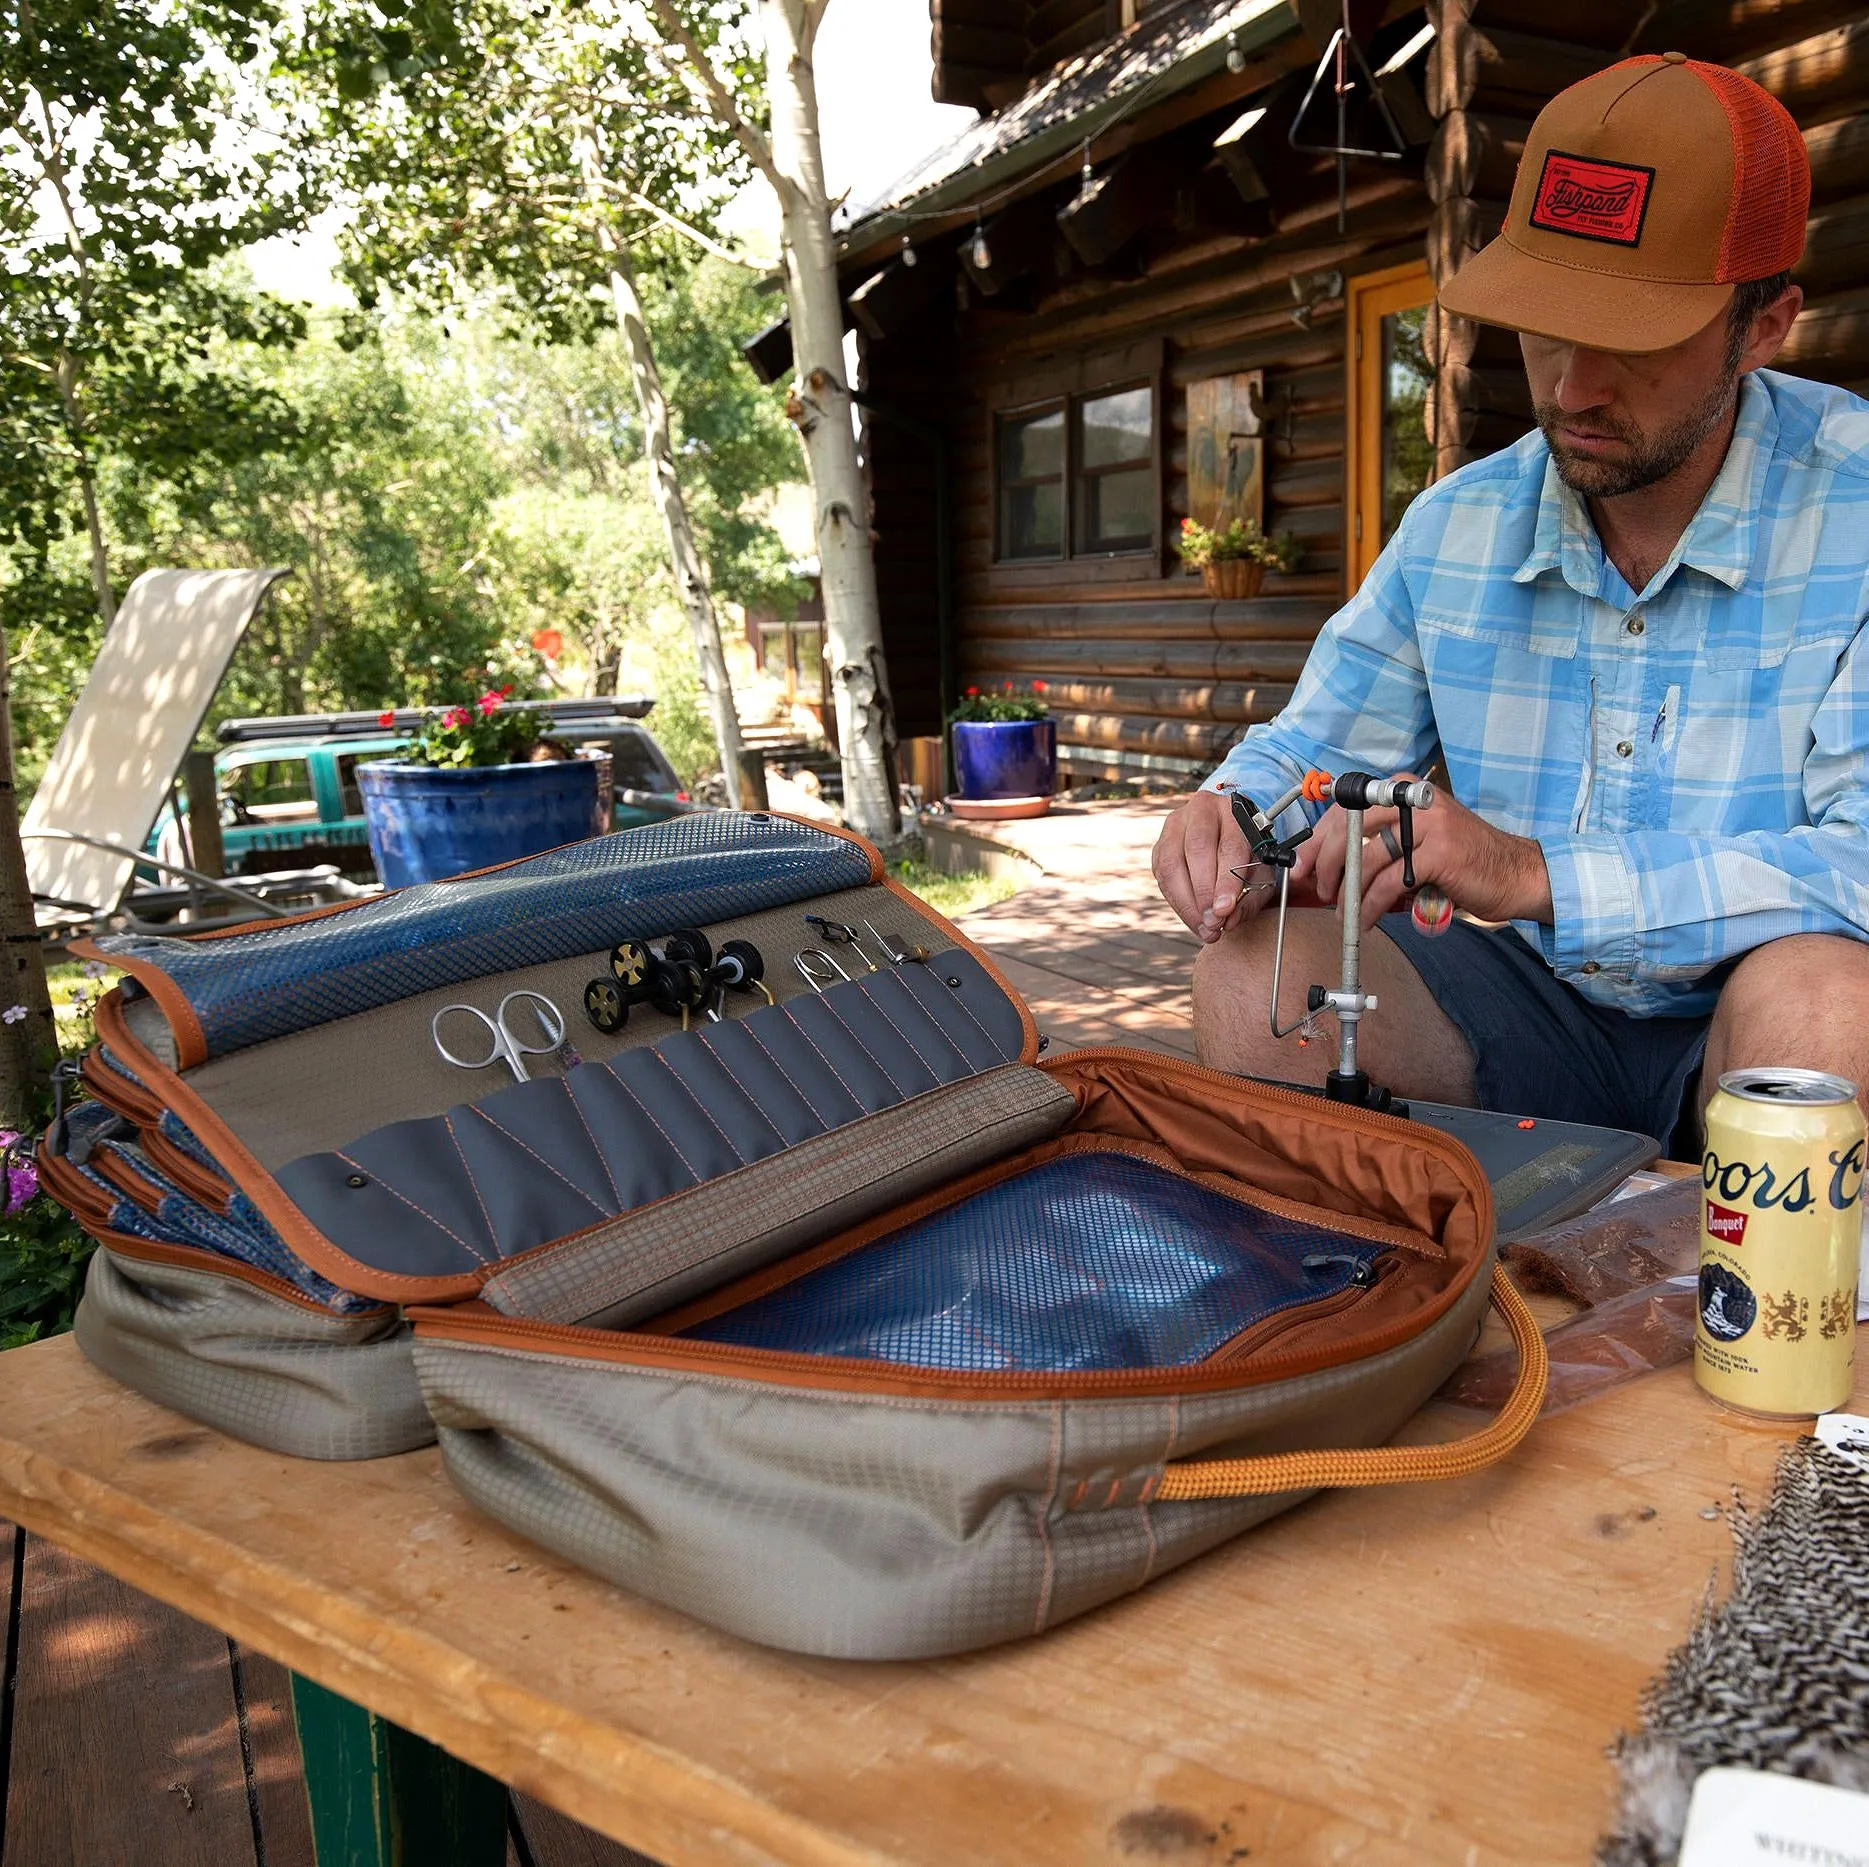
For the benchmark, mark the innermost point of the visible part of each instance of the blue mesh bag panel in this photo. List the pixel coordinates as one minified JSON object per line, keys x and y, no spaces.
{"x":634,"y":885}
{"x":242,"y":1234}
{"x":1093,"y":1261}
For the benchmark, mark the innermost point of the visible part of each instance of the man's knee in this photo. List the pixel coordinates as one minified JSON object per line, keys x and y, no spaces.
{"x":1801,"y":1002}
{"x":1233,"y":988}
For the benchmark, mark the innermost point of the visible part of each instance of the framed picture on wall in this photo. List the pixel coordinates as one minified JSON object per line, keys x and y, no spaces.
{"x":1226,"y":449}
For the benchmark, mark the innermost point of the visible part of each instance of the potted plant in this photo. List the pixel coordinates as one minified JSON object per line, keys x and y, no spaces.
{"x":1005,"y":748}
{"x":479,"y":785}
{"x":1233,"y":560}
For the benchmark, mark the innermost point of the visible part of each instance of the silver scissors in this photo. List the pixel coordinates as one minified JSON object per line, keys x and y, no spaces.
{"x":503,"y":1044}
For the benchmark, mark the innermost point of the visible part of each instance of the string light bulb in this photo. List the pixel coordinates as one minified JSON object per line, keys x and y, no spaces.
{"x":979,"y":254}
{"x":1087,"y":174}
{"x":1236,"y":57}
{"x":909,"y":256}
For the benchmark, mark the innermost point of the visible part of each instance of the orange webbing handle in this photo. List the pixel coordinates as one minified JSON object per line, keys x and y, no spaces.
{"x":1386,"y":1465}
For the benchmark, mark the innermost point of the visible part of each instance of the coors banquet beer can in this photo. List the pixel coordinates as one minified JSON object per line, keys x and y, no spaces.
{"x":1781,"y":1181}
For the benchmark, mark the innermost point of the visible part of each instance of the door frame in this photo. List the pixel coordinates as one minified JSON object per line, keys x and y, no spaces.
{"x":1371,"y":296}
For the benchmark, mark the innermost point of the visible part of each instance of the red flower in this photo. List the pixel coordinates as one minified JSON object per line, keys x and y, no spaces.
{"x":505,"y":692}
{"x":489,"y":704}
{"x":549,"y":643}
{"x":387,"y":717}
{"x":1041,"y":687}
{"x":972,"y":692}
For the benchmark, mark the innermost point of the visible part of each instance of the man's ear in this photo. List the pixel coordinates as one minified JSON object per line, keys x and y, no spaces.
{"x":1770,"y":329}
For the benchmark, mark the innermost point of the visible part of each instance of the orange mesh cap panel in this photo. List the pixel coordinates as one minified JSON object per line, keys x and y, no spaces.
{"x":1771,"y":179}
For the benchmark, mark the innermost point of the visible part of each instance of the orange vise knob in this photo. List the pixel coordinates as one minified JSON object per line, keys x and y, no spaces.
{"x":1316,"y":787}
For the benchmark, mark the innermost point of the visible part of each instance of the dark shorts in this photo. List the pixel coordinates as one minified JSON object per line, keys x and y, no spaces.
{"x":1541,"y":1048}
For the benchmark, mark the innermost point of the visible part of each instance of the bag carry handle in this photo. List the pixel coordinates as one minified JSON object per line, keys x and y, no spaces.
{"x":1385,"y":1465}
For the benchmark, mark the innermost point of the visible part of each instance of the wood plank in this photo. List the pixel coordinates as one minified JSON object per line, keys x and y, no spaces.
{"x":554,"y":1840}
{"x":12,"y":1550}
{"x":1454,"y":1630}
{"x":264,"y":1689}
{"x":124,"y":1723}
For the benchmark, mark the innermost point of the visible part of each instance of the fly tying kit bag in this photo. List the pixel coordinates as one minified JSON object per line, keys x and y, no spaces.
{"x":707,"y":1196}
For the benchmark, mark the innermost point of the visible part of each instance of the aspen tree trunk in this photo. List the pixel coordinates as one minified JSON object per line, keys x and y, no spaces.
{"x":665,"y":486}
{"x":821,"y":406}
{"x":27,"y":1045}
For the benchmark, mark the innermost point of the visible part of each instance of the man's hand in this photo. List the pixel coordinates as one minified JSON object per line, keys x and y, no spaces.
{"x":1488,"y":872}
{"x":1199,"y":848}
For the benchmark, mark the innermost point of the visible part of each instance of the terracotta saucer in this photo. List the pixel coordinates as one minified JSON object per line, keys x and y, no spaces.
{"x":996,"y":809}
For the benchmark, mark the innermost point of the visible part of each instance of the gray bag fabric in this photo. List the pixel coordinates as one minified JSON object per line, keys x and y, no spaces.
{"x":262,"y":1367}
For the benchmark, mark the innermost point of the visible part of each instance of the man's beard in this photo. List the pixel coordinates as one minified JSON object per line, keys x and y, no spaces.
{"x":1650,"y":458}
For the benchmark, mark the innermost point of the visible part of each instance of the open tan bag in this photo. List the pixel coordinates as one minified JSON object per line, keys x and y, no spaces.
{"x":846,"y":1323}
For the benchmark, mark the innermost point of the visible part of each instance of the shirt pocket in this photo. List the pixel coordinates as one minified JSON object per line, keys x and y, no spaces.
{"x":1447,"y":631}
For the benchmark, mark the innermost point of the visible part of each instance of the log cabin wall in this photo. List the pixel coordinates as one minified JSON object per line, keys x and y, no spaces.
{"x":1146,"y":674}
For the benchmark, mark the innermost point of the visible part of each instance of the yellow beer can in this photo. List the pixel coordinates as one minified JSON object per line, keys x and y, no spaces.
{"x":1781,"y":1182}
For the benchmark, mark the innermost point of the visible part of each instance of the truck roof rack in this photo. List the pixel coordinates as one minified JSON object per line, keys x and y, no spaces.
{"x":570,"y":715}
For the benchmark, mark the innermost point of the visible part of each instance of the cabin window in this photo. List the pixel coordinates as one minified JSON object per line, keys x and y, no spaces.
{"x":1076,"y":477}
{"x":1389,"y":393}
{"x":1031,"y":483}
{"x":1116,"y":471}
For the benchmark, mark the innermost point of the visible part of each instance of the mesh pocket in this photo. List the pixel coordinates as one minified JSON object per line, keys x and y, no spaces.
{"x":1099,"y":1261}
{"x":244,"y":988}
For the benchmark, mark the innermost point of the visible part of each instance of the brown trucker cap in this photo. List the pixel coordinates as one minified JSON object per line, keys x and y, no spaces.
{"x":1646,"y":192}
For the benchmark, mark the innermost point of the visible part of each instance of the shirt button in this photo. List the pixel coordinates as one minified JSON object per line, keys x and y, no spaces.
{"x":1590,"y":966}
{"x":1624,"y":748}
{"x":1635,"y":625}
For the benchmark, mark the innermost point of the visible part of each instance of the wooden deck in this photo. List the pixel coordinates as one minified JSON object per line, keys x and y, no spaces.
{"x":129,"y":1732}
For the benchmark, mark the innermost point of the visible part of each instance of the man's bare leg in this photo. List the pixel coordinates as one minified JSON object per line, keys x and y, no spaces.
{"x":1801,"y":1002}
{"x":1408,"y":1044}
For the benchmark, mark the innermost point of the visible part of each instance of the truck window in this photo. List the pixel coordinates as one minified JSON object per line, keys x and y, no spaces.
{"x":278,"y":789}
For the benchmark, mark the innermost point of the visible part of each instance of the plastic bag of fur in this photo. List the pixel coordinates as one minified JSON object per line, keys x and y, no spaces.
{"x":1777,"y":1676}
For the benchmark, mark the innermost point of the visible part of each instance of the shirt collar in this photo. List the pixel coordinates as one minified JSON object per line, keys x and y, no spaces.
{"x":1720,"y":538}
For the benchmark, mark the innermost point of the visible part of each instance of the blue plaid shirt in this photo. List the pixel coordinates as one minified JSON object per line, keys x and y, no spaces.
{"x":1690,"y":757}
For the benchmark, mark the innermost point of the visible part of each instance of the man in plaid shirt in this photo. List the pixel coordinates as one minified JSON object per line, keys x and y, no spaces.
{"x":1629,"y":643}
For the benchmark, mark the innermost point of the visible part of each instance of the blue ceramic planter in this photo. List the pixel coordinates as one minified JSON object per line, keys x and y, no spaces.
{"x":428,"y":821}
{"x":1005,"y":758}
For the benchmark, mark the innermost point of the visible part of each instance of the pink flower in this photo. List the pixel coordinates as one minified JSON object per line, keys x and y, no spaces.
{"x":456,"y":716}
{"x":488,"y":704}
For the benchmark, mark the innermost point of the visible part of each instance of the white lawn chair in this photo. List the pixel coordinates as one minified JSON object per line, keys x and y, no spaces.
{"x":115,"y":763}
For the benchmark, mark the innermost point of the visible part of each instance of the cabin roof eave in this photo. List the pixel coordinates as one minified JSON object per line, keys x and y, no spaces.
{"x":1081,"y":100}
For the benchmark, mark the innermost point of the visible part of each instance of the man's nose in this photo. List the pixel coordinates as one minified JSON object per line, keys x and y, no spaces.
{"x":1585,"y":380}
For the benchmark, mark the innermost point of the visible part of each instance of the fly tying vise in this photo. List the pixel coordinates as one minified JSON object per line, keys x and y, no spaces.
{"x":1353,"y":792}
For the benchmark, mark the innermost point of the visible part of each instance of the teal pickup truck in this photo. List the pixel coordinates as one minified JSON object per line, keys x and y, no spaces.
{"x":288,"y":787}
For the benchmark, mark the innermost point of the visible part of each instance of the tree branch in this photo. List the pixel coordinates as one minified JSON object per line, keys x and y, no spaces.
{"x":700,"y":70}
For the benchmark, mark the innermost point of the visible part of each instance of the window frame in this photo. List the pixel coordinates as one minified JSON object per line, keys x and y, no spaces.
{"x":1372,"y":296}
{"x":1026,"y":411}
{"x":1079,"y":476}
{"x":1083,"y":379}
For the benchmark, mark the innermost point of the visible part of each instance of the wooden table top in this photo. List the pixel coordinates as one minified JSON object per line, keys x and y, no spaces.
{"x":1428,"y":1674}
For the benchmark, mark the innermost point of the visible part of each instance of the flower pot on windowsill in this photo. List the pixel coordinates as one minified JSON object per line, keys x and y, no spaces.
{"x":1005,"y":758}
{"x":1233,"y":578}
{"x":429,"y":821}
